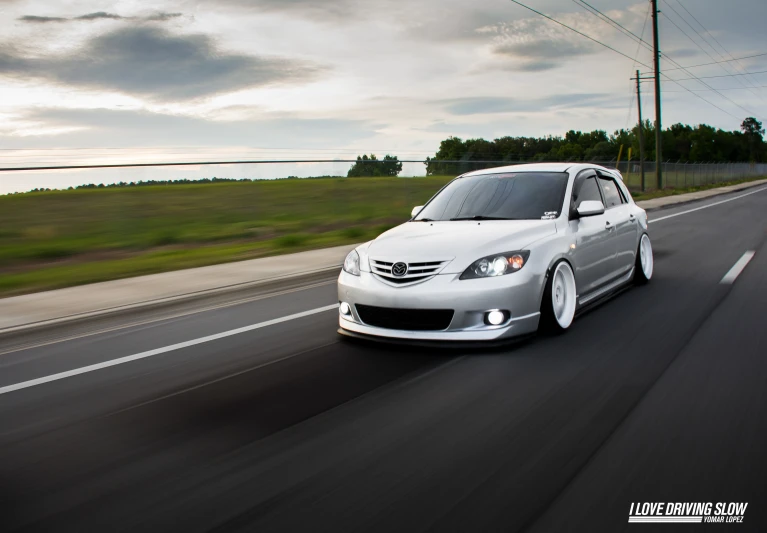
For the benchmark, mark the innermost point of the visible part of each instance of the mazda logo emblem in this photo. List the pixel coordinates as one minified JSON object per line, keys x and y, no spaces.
{"x":399,"y":269}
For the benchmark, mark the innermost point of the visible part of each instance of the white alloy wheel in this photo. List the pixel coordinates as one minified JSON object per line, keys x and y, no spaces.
{"x":645,"y":256}
{"x":563,"y":295}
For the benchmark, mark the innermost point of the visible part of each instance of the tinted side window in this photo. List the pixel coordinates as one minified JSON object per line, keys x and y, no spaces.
{"x":610,"y":190}
{"x":622,"y":190}
{"x":587,"y":190}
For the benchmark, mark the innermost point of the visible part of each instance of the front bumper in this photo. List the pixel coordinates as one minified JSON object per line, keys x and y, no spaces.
{"x":518,"y":293}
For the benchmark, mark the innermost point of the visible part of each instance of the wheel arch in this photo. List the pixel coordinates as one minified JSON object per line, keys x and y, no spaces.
{"x":553,"y":263}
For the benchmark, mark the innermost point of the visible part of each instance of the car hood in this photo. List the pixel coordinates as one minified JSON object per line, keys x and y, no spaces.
{"x":460,"y":242}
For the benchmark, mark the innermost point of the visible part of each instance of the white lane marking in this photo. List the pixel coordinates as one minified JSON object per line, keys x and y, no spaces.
{"x":168,"y":317}
{"x":705,"y":206}
{"x":150,"y":353}
{"x":738,"y":267}
{"x":158,"y":351}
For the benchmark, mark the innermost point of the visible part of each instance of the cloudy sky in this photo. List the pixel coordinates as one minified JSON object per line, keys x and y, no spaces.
{"x":83,"y":81}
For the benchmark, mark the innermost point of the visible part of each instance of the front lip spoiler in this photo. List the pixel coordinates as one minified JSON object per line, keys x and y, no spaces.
{"x":437,"y":343}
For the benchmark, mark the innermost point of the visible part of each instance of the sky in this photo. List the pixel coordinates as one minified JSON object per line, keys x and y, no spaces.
{"x":84,"y":81}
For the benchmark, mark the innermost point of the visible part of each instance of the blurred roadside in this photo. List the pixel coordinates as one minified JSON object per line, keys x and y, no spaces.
{"x":31,"y":310}
{"x":56,"y":239}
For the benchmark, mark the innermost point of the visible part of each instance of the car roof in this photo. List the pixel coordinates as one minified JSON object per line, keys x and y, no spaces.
{"x":545,"y":167}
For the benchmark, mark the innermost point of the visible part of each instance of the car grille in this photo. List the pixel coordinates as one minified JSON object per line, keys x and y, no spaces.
{"x":415,"y":271}
{"x":407,"y":319}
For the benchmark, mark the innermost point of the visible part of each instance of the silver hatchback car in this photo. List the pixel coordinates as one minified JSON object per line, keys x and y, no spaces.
{"x":498,"y":253}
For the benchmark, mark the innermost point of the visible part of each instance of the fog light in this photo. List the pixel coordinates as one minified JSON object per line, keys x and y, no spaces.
{"x":344,"y":309}
{"x":495,"y":318}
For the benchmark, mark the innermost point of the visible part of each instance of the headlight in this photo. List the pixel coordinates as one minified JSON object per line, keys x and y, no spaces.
{"x":352,"y":263}
{"x":496,"y":265}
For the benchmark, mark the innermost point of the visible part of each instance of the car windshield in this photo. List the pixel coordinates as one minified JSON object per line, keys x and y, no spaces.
{"x":511,"y":196}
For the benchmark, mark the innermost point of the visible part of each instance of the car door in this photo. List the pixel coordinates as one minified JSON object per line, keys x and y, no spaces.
{"x":595,"y":249}
{"x":619,"y":214}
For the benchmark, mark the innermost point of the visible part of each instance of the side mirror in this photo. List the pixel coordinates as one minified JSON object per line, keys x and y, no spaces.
{"x":589,"y":208}
{"x":415,"y":211}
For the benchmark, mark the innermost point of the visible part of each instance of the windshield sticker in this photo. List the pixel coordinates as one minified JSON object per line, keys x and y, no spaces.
{"x":549,"y":215}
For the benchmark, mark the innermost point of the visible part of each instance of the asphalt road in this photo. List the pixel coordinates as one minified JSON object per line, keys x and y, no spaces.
{"x":658,"y":395}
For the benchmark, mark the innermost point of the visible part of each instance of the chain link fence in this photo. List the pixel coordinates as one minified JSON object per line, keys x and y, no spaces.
{"x":683,"y":175}
{"x":676,"y":175}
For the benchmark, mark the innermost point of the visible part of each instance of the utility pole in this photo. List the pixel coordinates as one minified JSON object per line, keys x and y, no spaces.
{"x":656,"y":64}
{"x":641,"y":132}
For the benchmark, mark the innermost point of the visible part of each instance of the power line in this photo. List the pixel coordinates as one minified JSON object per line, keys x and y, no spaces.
{"x":180,"y":149}
{"x":722,"y":75}
{"x":641,"y":36}
{"x":711,"y":35}
{"x":621,"y":53}
{"x":699,"y":80}
{"x":720,"y":89}
{"x":578,"y":32}
{"x":750,"y":81}
{"x":693,"y":29}
{"x":699,"y":46}
{"x":722,"y":61}
{"x":597,"y":13}
{"x":701,"y":98}
{"x":633,"y":66}
{"x":641,"y":40}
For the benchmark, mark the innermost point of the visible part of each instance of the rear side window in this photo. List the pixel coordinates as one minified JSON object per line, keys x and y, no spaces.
{"x":610,"y":189}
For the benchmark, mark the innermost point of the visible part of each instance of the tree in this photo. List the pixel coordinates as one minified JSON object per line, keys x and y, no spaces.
{"x":374,"y":167}
{"x":680,"y":142}
{"x":754,"y":132}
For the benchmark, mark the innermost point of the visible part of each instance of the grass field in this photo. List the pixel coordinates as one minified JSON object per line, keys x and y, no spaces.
{"x":62,"y":238}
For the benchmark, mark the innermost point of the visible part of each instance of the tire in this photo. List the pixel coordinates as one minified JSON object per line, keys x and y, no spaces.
{"x":644,"y":264}
{"x":559,"y":299}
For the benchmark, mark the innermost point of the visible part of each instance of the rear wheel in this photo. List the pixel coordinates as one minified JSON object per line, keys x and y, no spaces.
{"x":645,"y":263}
{"x":559,"y":299}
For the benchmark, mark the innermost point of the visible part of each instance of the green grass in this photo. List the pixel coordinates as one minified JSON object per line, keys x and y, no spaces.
{"x":63,"y":238}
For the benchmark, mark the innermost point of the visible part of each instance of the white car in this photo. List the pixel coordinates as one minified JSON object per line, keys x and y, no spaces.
{"x":497,"y":253}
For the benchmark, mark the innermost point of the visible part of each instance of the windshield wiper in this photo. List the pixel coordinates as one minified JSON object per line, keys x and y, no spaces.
{"x":424,"y":220}
{"x":481,"y":217}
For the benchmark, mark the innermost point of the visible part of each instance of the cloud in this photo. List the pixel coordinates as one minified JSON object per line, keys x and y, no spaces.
{"x":536,"y":55}
{"x":99,"y":15}
{"x":312,"y":9}
{"x":41,"y":20}
{"x":109,"y":127}
{"x":679,"y":53}
{"x":160,"y":16}
{"x":163,"y":16}
{"x":151,"y":62}
{"x":493,"y":104}
{"x":535,"y":44}
{"x":481,"y":105}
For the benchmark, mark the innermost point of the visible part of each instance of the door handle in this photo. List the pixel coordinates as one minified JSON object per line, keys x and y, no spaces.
{"x":608,"y":226}
{"x":631,"y":218}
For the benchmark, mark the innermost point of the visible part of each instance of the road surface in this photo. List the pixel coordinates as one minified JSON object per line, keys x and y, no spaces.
{"x":254,"y":415}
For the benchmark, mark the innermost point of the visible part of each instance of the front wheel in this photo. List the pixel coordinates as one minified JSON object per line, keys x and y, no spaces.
{"x":645,"y":263}
{"x":559,"y":299}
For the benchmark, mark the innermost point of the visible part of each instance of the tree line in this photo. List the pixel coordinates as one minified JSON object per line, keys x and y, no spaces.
{"x":681,"y":142}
